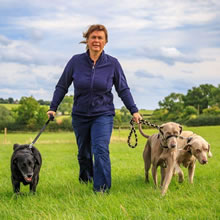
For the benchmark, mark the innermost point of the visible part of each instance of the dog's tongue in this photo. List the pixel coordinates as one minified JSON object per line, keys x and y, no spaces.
{"x":28,"y":179}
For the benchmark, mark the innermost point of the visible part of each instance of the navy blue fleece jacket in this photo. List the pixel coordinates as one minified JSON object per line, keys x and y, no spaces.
{"x":93,"y":85}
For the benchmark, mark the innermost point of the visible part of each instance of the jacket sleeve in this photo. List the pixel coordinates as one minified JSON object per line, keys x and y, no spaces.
{"x":122,"y":88}
{"x":62,"y":86}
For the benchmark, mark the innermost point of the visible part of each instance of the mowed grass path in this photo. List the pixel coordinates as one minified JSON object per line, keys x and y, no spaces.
{"x":60,"y":195}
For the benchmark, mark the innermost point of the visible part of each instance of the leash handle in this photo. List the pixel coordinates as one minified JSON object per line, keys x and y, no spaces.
{"x":135,"y":133}
{"x":130,"y":134}
{"x":41,"y":130}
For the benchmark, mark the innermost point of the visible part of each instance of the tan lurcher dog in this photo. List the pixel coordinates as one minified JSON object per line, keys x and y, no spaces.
{"x":191,"y":148}
{"x":161,"y":150}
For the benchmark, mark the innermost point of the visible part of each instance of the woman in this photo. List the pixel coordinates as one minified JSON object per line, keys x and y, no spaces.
{"x":93,"y":74}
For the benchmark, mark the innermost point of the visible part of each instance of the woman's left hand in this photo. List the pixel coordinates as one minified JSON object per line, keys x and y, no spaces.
{"x":137,"y":117}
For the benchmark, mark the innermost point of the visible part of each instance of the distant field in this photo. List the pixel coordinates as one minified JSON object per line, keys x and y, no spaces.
{"x":61,"y":196}
{"x":10,"y":106}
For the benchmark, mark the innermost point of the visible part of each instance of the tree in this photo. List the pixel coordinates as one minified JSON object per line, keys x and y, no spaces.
{"x":117,"y":120}
{"x":5,"y":117}
{"x":173,"y":104}
{"x":30,"y":114}
{"x":200,"y":97}
{"x":125,"y":114}
{"x":66,"y":105}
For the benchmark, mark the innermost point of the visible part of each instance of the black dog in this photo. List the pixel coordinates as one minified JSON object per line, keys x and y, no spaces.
{"x":25,"y":167}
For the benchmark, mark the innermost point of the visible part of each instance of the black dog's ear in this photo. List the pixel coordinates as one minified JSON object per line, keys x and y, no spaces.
{"x":36,"y":156}
{"x":15,"y":146}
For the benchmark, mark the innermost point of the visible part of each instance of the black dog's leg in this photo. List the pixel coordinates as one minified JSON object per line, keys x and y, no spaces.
{"x":16,"y":186}
{"x":33,"y":185}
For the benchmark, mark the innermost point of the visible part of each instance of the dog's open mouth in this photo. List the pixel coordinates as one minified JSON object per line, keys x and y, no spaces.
{"x":28,"y":179}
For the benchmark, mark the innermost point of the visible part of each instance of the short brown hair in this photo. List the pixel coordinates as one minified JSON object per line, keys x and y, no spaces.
{"x":92,"y":28}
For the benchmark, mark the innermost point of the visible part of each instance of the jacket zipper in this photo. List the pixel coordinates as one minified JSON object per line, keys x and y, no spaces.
{"x":91,"y":86}
{"x":93,"y":75}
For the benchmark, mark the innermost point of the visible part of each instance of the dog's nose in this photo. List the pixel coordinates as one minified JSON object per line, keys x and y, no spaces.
{"x":173,"y":145}
{"x":204,"y":161}
{"x":29,"y":176}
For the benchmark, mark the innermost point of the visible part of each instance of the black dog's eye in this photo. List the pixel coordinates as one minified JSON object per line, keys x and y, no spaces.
{"x":29,"y":163}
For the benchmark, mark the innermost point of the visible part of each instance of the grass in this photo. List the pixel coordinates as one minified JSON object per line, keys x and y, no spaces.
{"x":60,"y":195}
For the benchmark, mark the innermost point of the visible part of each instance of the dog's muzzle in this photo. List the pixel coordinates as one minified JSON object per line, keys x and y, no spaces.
{"x":171,"y":136}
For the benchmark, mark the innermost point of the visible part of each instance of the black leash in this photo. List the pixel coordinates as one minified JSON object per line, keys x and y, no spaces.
{"x":42,"y":129}
{"x":135,"y":133}
{"x":130,"y":134}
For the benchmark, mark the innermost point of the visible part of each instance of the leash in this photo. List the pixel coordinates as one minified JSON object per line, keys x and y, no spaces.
{"x":41,"y":130}
{"x":135,"y":133}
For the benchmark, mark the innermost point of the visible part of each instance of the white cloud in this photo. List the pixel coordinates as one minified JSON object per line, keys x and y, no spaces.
{"x":163,"y":46}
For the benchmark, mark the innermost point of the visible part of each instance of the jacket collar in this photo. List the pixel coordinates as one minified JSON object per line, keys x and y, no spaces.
{"x":100,"y":59}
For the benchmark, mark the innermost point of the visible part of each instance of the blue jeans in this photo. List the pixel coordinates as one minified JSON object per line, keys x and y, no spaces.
{"x":93,"y":136}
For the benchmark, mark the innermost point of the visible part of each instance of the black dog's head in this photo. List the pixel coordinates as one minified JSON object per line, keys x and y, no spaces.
{"x":25,"y":160}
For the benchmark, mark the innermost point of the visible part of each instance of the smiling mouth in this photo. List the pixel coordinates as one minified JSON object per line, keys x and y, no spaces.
{"x":28,"y":179}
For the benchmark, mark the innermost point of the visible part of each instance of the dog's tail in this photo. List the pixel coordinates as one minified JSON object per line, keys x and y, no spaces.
{"x":141,"y":131}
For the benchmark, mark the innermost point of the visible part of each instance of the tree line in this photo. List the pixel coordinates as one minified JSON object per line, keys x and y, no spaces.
{"x":200,"y":106}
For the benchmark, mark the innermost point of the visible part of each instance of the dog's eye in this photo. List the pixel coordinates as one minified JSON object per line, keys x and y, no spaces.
{"x":198,"y":151}
{"x":24,"y":165}
{"x":29,"y":164}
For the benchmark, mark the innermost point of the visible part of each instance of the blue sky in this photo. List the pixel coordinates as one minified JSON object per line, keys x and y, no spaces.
{"x":163,"y":46}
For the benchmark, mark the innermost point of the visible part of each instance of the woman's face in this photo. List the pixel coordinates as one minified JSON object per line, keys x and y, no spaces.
{"x":96,"y":41}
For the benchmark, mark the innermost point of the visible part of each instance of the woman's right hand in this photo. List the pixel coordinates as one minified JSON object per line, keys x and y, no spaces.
{"x":49,"y":113}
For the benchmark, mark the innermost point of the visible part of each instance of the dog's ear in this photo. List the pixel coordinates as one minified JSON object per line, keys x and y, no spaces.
{"x":189,"y":139}
{"x":36,"y":156}
{"x":15,"y":146}
{"x":160,"y":129}
{"x":209,"y":152}
{"x":181,"y":129}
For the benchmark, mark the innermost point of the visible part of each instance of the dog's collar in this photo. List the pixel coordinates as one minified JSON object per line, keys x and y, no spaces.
{"x":163,"y":146}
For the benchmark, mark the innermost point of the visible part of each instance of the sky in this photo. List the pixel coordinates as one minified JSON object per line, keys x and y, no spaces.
{"x":163,"y":46}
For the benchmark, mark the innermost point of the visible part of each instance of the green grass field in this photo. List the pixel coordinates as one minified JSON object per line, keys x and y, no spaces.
{"x":60,"y":195}
{"x":10,"y":106}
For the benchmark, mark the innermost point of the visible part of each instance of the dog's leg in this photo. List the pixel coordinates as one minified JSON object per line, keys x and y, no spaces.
{"x":168,"y":176}
{"x":162,"y":172}
{"x":16,"y":186}
{"x":147,"y":167}
{"x":147,"y":161}
{"x":191,"y":171}
{"x":154,"y":174}
{"x":33,"y":184}
{"x":180,"y":173}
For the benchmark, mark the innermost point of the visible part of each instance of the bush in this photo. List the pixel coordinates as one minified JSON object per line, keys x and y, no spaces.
{"x":6,"y":118}
{"x":204,"y":120}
